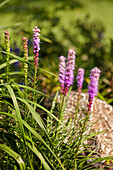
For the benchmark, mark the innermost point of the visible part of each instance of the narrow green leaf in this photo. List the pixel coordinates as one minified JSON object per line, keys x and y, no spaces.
{"x":67,"y":96}
{"x":16,"y":57}
{"x":81,"y":164}
{"x":24,"y":61}
{"x":41,"y":140}
{"x":35,"y":114}
{"x":13,"y":61}
{"x":98,"y":160}
{"x":101,"y":97}
{"x":46,"y":39}
{"x":17,"y":111}
{"x":3,"y":3}
{"x":75,"y":168}
{"x":39,"y":155}
{"x":14,"y":155}
{"x":8,"y":114}
{"x":36,"y":135}
{"x":93,"y":134}
{"x":10,"y":62}
{"x":31,"y":89}
{"x":47,"y":111}
{"x":54,"y":102}
{"x":12,"y":73}
{"x":110,"y":100}
{"x":43,"y":70}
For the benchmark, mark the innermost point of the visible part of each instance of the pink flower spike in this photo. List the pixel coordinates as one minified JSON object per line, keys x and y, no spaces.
{"x":66,"y":71}
{"x":80,"y":79}
{"x":93,"y":86}
{"x":70,"y":66}
{"x":36,"y":44}
{"x":62,"y":72}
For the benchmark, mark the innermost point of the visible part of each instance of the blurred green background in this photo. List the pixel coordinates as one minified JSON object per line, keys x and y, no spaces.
{"x":86,"y":26}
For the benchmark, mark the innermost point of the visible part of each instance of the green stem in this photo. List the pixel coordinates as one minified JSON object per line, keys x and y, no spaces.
{"x":34,"y":87}
{"x":25,"y":81}
{"x":7,"y":58}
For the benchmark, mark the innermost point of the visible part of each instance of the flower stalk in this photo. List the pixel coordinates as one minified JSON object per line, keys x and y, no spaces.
{"x":66,"y":76}
{"x":62,"y":70}
{"x":70,"y":66}
{"x":25,"y":48}
{"x":93,"y":87}
{"x":66,"y":71}
{"x":36,"y":48}
{"x":7,"y":43}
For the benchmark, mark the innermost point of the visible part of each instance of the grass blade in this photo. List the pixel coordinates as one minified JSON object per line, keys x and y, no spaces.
{"x":31,"y":89}
{"x":14,"y":155}
{"x":17,"y":111}
{"x":35,"y":115}
{"x":47,"y":111}
{"x":98,"y":160}
{"x":41,"y":140}
{"x":12,"y":73}
{"x":16,"y":57}
{"x":40,"y":156}
{"x":36,"y":135}
{"x":24,"y":61}
{"x":13,"y":61}
{"x":3,"y":3}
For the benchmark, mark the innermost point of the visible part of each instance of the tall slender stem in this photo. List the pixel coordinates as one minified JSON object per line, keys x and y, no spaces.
{"x":36,"y":48}
{"x":34,"y":95}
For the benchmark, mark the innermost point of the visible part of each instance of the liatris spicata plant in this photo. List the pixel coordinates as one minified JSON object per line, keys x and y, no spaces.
{"x":66,"y":71}
{"x":7,"y":50}
{"x":25,"y":48}
{"x":93,"y":86}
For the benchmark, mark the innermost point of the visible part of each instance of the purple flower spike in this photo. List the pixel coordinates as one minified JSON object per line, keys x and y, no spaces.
{"x":66,"y":74}
{"x":80,"y":79}
{"x":36,"y":44}
{"x":93,"y":86}
{"x":70,"y":70}
{"x":62,"y":73}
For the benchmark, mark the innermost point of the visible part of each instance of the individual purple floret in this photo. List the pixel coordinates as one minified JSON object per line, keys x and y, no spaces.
{"x":80,"y":79}
{"x":62,"y":66}
{"x":36,"y":44}
{"x":93,"y":86}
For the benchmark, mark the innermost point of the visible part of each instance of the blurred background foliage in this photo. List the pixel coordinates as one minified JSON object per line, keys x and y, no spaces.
{"x":83,"y":25}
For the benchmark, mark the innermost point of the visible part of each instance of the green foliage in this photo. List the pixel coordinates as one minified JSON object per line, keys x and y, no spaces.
{"x":33,"y":136}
